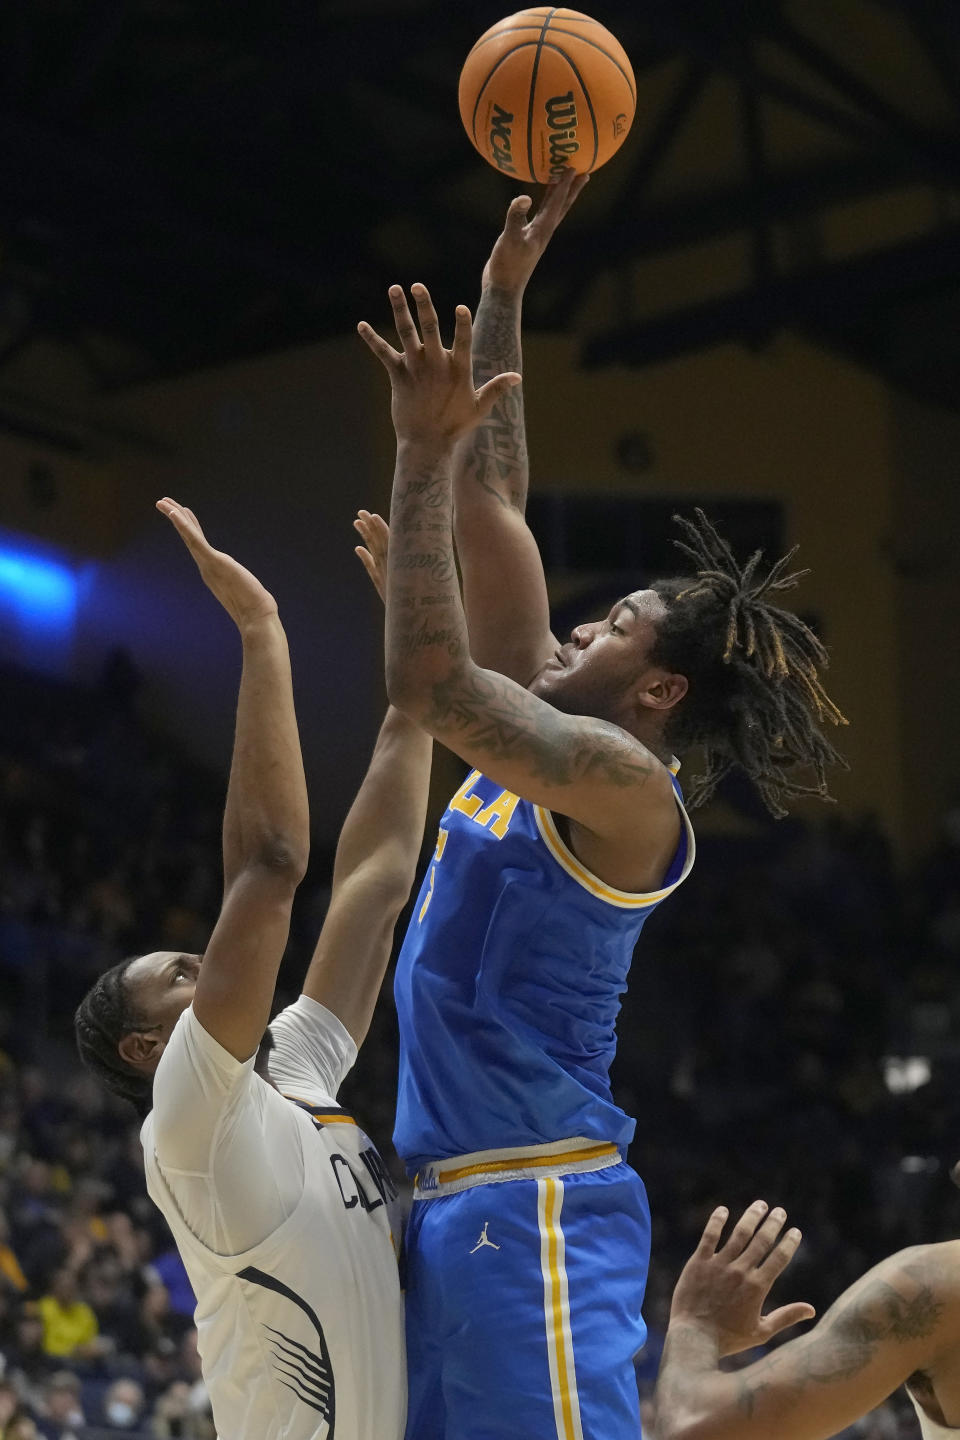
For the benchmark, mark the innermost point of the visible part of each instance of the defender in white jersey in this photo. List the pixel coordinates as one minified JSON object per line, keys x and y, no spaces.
{"x":897,"y":1325}
{"x":279,"y":1203}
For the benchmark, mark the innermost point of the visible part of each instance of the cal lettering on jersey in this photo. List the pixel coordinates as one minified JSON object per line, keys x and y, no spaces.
{"x":379,"y":1174}
{"x":355,"y":1193}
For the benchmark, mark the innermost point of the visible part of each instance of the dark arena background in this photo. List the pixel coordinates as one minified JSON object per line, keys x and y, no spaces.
{"x":755,"y":306}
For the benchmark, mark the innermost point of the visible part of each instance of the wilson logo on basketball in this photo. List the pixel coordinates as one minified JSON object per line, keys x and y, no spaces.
{"x":562,"y":130}
{"x":500,"y":141}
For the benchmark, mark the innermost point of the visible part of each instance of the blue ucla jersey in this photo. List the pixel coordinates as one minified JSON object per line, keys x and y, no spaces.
{"x":509,"y":981}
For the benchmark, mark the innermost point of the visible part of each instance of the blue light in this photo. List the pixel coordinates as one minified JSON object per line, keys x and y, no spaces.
{"x":41,"y":591}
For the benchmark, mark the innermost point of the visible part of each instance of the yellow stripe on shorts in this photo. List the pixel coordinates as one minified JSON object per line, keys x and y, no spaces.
{"x":556,"y":1309}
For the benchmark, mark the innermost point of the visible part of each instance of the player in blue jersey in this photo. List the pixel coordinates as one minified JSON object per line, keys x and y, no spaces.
{"x":528,"y":1243}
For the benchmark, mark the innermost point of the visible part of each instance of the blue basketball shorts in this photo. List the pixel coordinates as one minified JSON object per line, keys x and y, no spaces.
{"x":523,"y":1308}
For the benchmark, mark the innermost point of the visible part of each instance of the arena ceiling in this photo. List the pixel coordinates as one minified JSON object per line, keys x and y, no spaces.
{"x":185,"y":183}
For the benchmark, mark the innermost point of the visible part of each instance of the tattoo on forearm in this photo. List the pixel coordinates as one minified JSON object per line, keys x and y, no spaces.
{"x":498,"y":448}
{"x":422,"y":565}
{"x":438,"y":565}
{"x":497,"y":716}
{"x":847,"y":1341}
{"x":877,"y":1314}
{"x":488,"y":713}
{"x":427,"y":637}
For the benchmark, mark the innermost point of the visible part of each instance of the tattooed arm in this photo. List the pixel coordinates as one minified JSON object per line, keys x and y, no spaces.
{"x":589,"y":770}
{"x":895,"y":1320}
{"x":504,"y":589}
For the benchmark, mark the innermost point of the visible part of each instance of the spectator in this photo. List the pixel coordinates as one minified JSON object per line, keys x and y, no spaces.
{"x":11,"y":1275}
{"x":28,"y":1364}
{"x":174,"y":1416}
{"x":9,"y":1404}
{"x":123,"y":1405}
{"x":61,"y":1417}
{"x":193,"y":1372}
{"x":21,"y":1426}
{"x":171,"y":1273}
{"x":69,"y":1325}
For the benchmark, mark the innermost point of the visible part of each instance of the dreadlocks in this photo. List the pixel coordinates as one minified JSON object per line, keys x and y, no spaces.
{"x":755,"y":699}
{"x":103,"y":1017}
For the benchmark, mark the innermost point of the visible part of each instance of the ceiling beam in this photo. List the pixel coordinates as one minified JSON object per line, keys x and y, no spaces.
{"x":823,"y":295}
{"x":782,"y":198}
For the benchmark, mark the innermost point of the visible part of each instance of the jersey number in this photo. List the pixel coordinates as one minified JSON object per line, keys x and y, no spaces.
{"x":437,"y":856}
{"x":495,"y":817}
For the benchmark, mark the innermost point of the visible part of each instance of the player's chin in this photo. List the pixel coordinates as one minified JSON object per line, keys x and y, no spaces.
{"x":545,"y":684}
{"x":554,"y":686}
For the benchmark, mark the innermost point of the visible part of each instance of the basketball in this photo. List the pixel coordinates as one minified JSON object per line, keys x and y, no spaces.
{"x":544,"y":90}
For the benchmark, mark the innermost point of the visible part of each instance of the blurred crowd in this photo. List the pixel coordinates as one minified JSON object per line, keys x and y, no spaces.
{"x":788,"y":1034}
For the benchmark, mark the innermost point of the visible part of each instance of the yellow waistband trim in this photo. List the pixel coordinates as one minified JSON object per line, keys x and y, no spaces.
{"x":527,"y":1162}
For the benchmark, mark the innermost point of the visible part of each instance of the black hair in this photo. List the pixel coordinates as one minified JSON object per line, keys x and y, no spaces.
{"x":103,"y":1017}
{"x":755,"y":699}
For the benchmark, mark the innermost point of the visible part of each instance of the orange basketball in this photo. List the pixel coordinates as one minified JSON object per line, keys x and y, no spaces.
{"x":545,"y":89}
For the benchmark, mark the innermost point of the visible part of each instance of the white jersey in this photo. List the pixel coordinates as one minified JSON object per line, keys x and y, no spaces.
{"x":929,"y":1429}
{"x":285,"y":1218}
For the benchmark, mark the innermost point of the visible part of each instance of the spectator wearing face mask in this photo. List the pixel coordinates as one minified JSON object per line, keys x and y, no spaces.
{"x":123,"y":1405}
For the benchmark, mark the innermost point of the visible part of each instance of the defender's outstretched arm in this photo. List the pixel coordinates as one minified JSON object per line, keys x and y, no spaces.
{"x":266,"y":831}
{"x":894,"y":1321}
{"x":377,"y":852}
{"x":504,"y":590}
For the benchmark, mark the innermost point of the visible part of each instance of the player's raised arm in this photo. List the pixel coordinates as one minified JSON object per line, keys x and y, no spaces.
{"x":504,"y":590}
{"x":893,"y":1322}
{"x":589,"y":769}
{"x":377,"y":852}
{"x":266,"y":832}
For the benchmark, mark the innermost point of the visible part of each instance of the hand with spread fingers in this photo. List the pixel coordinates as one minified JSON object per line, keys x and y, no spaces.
{"x":375,"y":534}
{"x":240,"y":593}
{"x":723,"y":1290}
{"x":524,"y":239}
{"x":434,"y":402}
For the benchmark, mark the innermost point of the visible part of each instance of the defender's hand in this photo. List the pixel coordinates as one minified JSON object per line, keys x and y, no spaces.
{"x":375,"y":533}
{"x":516,"y":252}
{"x":723,"y":1290}
{"x":434,"y":401}
{"x":240,"y":593}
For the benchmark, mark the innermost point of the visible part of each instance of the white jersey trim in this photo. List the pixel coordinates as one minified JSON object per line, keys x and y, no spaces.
{"x":930,"y":1429}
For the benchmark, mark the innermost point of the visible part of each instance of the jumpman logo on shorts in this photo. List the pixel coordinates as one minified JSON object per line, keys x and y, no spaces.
{"x":484,"y":1240}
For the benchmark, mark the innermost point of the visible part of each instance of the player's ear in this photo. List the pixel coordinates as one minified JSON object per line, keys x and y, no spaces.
{"x":141,"y":1048}
{"x":661,"y":689}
